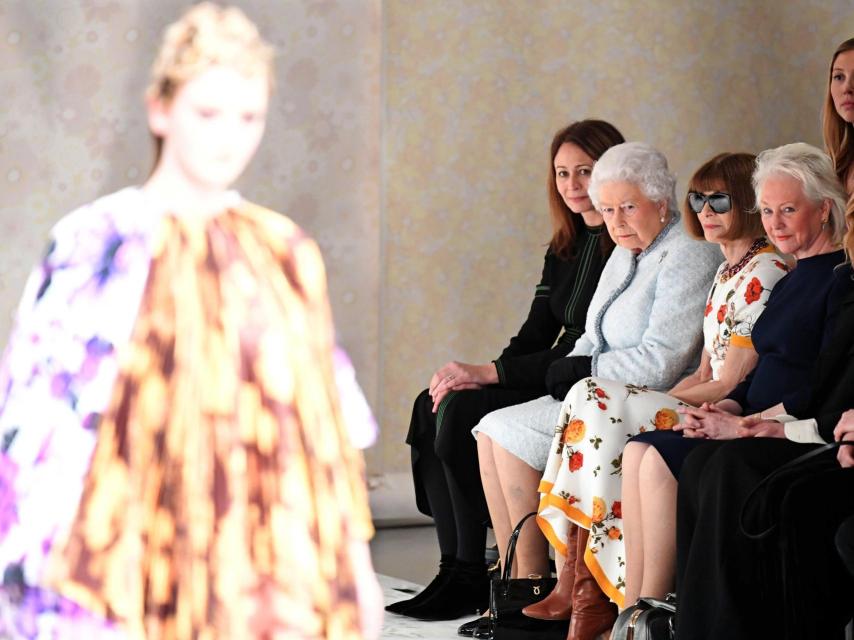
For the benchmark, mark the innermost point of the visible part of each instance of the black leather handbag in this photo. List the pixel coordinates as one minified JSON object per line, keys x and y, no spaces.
{"x":647,"y":619}
{"x":507,"y":598}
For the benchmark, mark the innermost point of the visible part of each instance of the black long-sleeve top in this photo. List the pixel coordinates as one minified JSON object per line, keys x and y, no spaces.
{"x":833,"y":380}
{"x":790,"y":334}
{"x":560,"y":304}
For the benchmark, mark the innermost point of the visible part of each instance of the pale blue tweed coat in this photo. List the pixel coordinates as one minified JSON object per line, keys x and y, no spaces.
{"x":645,"y":320}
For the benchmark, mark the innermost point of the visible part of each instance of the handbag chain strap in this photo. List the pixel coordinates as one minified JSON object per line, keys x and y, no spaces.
{"x":511,"y":551}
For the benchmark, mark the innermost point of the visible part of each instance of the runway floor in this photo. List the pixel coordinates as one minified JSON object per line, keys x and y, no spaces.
{"x":395,"y":626}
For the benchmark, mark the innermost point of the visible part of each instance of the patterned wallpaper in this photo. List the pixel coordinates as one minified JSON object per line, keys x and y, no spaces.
{"x":432,"y":250}
{"x":72,"y":127}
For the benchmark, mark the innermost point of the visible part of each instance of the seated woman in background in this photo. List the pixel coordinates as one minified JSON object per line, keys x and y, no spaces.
{"x":587,"y":467}
{"x":444,"y":456}
{"x":735,"y":303}
{"x":838,"y":116}
{"x":801,"y":203}
{"x":644,"y":325}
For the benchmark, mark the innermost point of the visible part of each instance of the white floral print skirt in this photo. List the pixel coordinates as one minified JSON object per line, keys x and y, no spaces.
{"x":583,"y":477}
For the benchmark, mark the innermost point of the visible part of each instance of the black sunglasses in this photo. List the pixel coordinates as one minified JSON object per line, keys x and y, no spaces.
{"x":718,"y":202}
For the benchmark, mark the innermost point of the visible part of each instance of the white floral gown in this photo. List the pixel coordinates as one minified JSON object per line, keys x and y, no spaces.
{"x":582,"y":481}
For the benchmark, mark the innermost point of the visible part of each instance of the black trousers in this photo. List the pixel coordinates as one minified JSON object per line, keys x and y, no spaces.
{"x":791,"y":584}
{"x":442,"y":443}
{"x":845,"y":543}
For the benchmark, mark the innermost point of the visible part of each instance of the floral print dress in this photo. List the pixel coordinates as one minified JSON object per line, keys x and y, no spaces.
{"x":163,"y":472}
{"x":582,"y":481}
{"x":56,"y":377}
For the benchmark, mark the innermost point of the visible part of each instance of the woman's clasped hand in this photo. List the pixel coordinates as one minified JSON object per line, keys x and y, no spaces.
{"x":711,"y":421}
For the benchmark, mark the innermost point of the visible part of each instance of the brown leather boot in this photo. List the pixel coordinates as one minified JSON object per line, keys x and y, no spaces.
{"x":592,"y":612}
{"x":558,"y":604}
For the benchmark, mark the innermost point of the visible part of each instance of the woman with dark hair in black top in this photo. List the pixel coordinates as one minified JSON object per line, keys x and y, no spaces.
{"x":444,"y":453}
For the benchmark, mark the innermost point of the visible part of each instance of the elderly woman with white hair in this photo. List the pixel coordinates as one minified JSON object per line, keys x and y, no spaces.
{"x":644,"y":325}
{"x":726,"y":584}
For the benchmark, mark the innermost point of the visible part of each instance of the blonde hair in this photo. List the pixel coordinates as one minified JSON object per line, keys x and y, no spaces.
{"x":206,"y":35}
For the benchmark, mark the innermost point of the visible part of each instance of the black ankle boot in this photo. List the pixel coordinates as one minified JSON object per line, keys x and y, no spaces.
{"x":446,"y":567}
{"x":466,"y":592}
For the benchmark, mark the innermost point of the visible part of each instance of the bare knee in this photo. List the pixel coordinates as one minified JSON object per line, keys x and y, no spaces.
{"x":634,"y":449}
{"x":512,"y":464}
{"x":653,"y":470}
{"x":485,"y":456}
{"x":484,"y":442}
{"x":633,"y":453}
{"x":519,"y":479}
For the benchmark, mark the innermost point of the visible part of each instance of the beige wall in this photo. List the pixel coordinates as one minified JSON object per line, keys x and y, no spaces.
{"x":475,"y":89}
{"x":72,"y":126}
{"x":432,"y":252}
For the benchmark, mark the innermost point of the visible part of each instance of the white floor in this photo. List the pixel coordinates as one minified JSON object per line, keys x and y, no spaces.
{"x":395,"y":626}
{"x":406,"y":558}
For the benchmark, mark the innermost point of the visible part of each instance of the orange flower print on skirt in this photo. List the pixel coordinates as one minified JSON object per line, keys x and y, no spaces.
{"x":582,"y":482}
{"x":574,"y":431}
{"x":665,"y":419}
{"x":598,"y":510}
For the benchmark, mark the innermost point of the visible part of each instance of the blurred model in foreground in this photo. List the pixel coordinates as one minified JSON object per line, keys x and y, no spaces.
{"x":174,"y":457}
